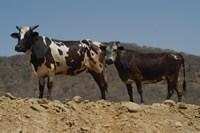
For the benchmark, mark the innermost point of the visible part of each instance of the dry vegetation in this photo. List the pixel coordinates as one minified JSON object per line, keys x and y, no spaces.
{"x":17,"y":78}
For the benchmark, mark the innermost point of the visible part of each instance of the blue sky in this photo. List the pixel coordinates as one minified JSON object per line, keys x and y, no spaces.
{"x":171,"y":24}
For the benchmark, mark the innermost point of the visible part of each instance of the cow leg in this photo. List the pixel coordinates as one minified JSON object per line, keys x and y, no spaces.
{"x":179,"y":92}
{"x":170,"y":88}
{"x":101,"y":82}
{"x":41,"y":87}
{"x":139,"y":89}
{"x":130,"y":91}
{"x":49,"y":85}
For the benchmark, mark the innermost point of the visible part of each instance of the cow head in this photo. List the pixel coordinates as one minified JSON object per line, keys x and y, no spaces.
{"x":25,"y":37}
{"x":111,"y":50}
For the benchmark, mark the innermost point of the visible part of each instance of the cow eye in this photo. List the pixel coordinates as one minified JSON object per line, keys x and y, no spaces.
{"x":27,"y":35}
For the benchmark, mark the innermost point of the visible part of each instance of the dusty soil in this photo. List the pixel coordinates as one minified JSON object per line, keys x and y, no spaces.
{"x":32,"y":115}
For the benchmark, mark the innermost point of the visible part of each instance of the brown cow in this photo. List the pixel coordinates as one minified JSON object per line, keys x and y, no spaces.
{"x":146,"y":68}
{"x":49,"y":57}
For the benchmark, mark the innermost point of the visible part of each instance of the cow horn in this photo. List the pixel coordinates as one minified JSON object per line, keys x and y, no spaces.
{"x":34,"y":27}
{"x":19,"y":28}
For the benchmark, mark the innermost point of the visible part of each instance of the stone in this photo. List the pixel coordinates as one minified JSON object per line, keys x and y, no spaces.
{"x":66,"y":101}
{"x":86,"y":101}
{"x":178,"y":124}
{"x":169,"y":102}
{"x":77,"y":99}
{"x":43,"y":101}
{"x":10,"y":96}
{"x":132,"y":107}
{"x":85,"y":128}
{"x":35,"y":108}
{"x":182,"y":106}
{"x":44,"y":106}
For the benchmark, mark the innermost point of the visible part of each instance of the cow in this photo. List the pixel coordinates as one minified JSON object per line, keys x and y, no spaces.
{"x":49,"y":57}
{"x":148,"y":68}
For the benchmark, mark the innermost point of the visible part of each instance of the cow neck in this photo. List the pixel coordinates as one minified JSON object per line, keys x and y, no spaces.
{"x":118,"y":60}
{"x":29,"y":52}
{"x":36,"y":53}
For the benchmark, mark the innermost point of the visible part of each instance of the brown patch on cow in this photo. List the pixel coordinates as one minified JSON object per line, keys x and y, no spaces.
{"x":49,"y":59}
{"x":100,"y":65}
{"x":90,"y":57}
{"x":101,"y":57}
{"x":94,"y":48}
{"x":58,"y":73}
{"x":99,"y":78}
{"x":60,"y":52}
{"x":75,"y":66}
{"x":58,"y":63}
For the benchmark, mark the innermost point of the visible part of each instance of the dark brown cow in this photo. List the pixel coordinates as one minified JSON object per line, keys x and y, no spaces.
{"x":49,"y":57}
{"x":145,"y":68}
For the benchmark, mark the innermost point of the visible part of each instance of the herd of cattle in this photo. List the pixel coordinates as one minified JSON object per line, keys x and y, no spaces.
{"x":49,"y":57}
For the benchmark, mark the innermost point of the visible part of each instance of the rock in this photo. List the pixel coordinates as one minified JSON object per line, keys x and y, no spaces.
{"x":66,"y":101}
{"x":86,"y":101}
{"x":106,"y":125}
{"x":178,"y":124}
{"x":56,"y":102}
{"x":197,"y":116}
{"x":31,"y":101}
{"x":156,"y":104}
{"x":10,"y":96}
{"x":104,"y":102}
{"x":182,"y":106}
{"x":77,"y":99}
{"x":85,"y":128}
{"x":169,"y":102}
{"x":132,"y":107}
{"x":43,"y":101}
{"x":34,"y":107}
{"x":27,"y":116}
{"x":44,"y":106}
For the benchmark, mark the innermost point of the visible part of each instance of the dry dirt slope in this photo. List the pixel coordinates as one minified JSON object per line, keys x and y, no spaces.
{"x":32,"y":115}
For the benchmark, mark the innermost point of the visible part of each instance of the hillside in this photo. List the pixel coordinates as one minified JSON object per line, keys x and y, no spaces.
{"x":81,"y":116}
{"x":17,"y":78}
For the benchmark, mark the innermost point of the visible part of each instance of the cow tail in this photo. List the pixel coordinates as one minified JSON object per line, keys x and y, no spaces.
{"x":184,"y":82}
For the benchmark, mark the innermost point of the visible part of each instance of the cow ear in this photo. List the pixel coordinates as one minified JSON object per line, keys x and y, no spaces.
{"x":120,"y":48}
{"x":15,"y":35}
{"x":34,"y":34}
{"x":103,"y":48}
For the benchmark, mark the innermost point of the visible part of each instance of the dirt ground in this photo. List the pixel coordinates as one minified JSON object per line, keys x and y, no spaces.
{"x":32,"y":115}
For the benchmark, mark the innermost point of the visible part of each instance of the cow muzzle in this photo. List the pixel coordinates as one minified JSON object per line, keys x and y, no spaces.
{"x":109,"y":61}
{"x":18,"y":48}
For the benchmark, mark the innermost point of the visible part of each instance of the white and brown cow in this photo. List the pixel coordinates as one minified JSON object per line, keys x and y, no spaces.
{"x":49,"y":57}
{"x":146,"y":68}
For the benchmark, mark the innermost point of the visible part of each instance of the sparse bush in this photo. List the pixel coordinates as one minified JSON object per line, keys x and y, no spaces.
{"x":17,"y":77}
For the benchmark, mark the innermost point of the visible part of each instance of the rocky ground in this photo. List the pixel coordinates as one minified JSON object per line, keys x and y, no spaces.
{"x":32,"y":115}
